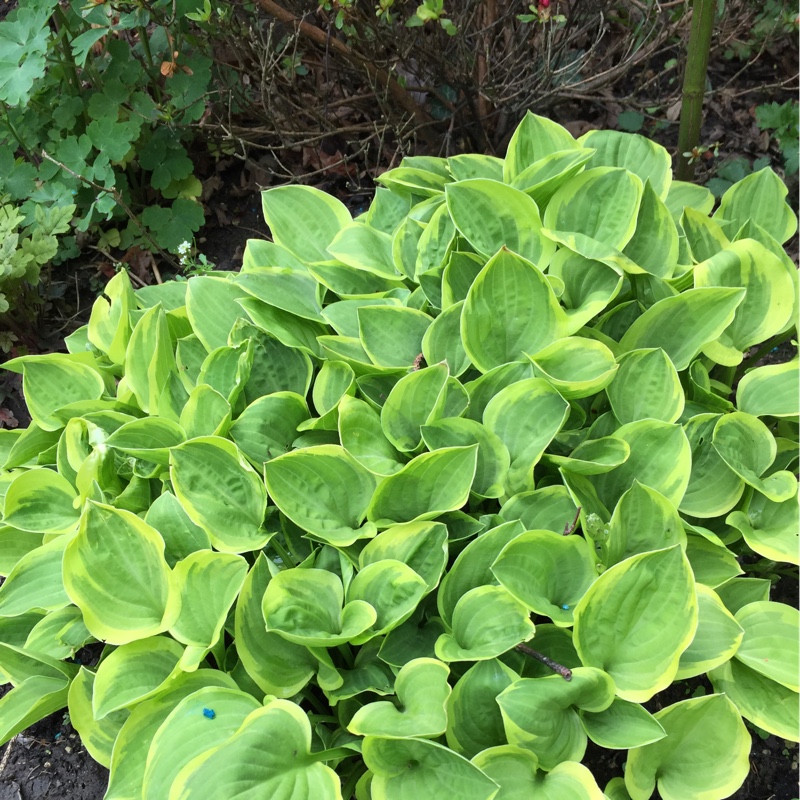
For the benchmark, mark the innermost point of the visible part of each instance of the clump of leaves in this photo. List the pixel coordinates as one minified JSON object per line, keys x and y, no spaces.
{"x":421,"y":502}
{"x":25,"y":247}
{"x":781,"y":119}
{"x":98,"y":104}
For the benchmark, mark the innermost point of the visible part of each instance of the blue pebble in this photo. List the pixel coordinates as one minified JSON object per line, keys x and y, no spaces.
{"x":209,"y":713}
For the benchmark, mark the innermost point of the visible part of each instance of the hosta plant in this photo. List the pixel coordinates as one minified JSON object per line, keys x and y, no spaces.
{"x":420,"y":503}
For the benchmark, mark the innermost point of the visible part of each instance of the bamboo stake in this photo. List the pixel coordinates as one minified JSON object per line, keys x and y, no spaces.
{"x":694,"y":84}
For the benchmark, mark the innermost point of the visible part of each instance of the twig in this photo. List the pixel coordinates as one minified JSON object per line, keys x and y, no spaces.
{"x":120,"y":202}
{"x":570,"y":527}
{"x":560,"y":669}
{"x":384,"y":80}
{"x":6,"y":755}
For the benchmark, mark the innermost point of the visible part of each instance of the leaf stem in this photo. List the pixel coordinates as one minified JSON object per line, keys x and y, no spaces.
{"x":333,"y":754}
{"x":282,"y":554}
{"x":564,"y":672}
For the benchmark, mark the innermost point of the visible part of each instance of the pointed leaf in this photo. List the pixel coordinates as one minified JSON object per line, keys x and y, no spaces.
{"x":324,"y":490}
{"x":115,"y":572}
{"x":636,"y":619}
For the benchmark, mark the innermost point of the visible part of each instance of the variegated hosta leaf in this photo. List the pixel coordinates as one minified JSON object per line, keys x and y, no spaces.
{"x":636,"y":619}
{"x":704,"y":754}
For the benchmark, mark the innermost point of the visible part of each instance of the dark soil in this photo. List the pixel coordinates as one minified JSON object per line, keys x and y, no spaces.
{"x":48,"y":762}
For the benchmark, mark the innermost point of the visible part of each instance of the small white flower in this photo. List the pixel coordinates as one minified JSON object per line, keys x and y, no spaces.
{"x":184,"y":248}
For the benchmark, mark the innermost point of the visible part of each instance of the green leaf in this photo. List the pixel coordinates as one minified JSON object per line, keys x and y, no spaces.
{"x":324,"y":490}
{"x":392,"y":336}
{"x":190,"y":731}
{"x":212,"y":308}
{"x":427,"y":486}
{"x":360,"y":246}
{"x":305,"y":606}
{"x":746,"y":445}
{"x":717,"y":638}
{"x":492,"y":216}
{"x":541,"y":714}
{"x":269,"y":754}
{"x":150,"y":439}
{"x":268,"y":426}
{"x":545,"y":176}
{"x":442,"y":341}
{"x":115,"y":572}
{"x":646,"y":386}
{"x":643,"y":520}
{"x":770,"y":390}
{"x":683,"y":324}
{"x":767,"y":304}
{"x":550,"y":508}
{"x":209,"y":584}
{"x":422,"y":693}
{"x":220,"y":492}
{"x":660,"y":458}
{"x":760,"y":197}
{"x":420,"y":545}
{"x":714,"y":488}
{"x":703,"y":235}
{"x":526,"y":416}
{"x":304,"y":220}
{"x":149,"y":359}
{"x":682,"y":195}
{"x":621,"y":726}
{"x":408,"y":769}
{"x":583,"y":206}
{"x":593,"y":457}
{"x":769,"y":528}
{"x":129,"y":757}
{"x":471,"y":165}
{"x":474,"y":721}
{"x":487,"y":621}
{"x":763,"y":702}
{"x":109,"y":326}
{"x":512,"y":296}
{"x":363,"y":438}
{"x":181,"y":536}
{"x":41,"y":501}
{"x":472,"y":568}
{"x":392,"y":588}
{"x":712,"y":563}
{"x":279,"y":667}
{"x":533,"y":139}
{"x":575,"y":367}
{"x":417,"y":399}
{"x":29,"y":701}
{"x":516,"y":770}
{"x":291,"y":291}
{"x":291,"y":332}
{"x":547,"y":571}
{"x":97,"y":736}
{"x":34,"y":582}
{"x":640,"y":155}
{"x":704,"y":754}
{"x":133,"y":673}
{"x":636,"y":619}
{"x":53,"y":382}
{"x":769,"y":645}
{"x":493,"y":458}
